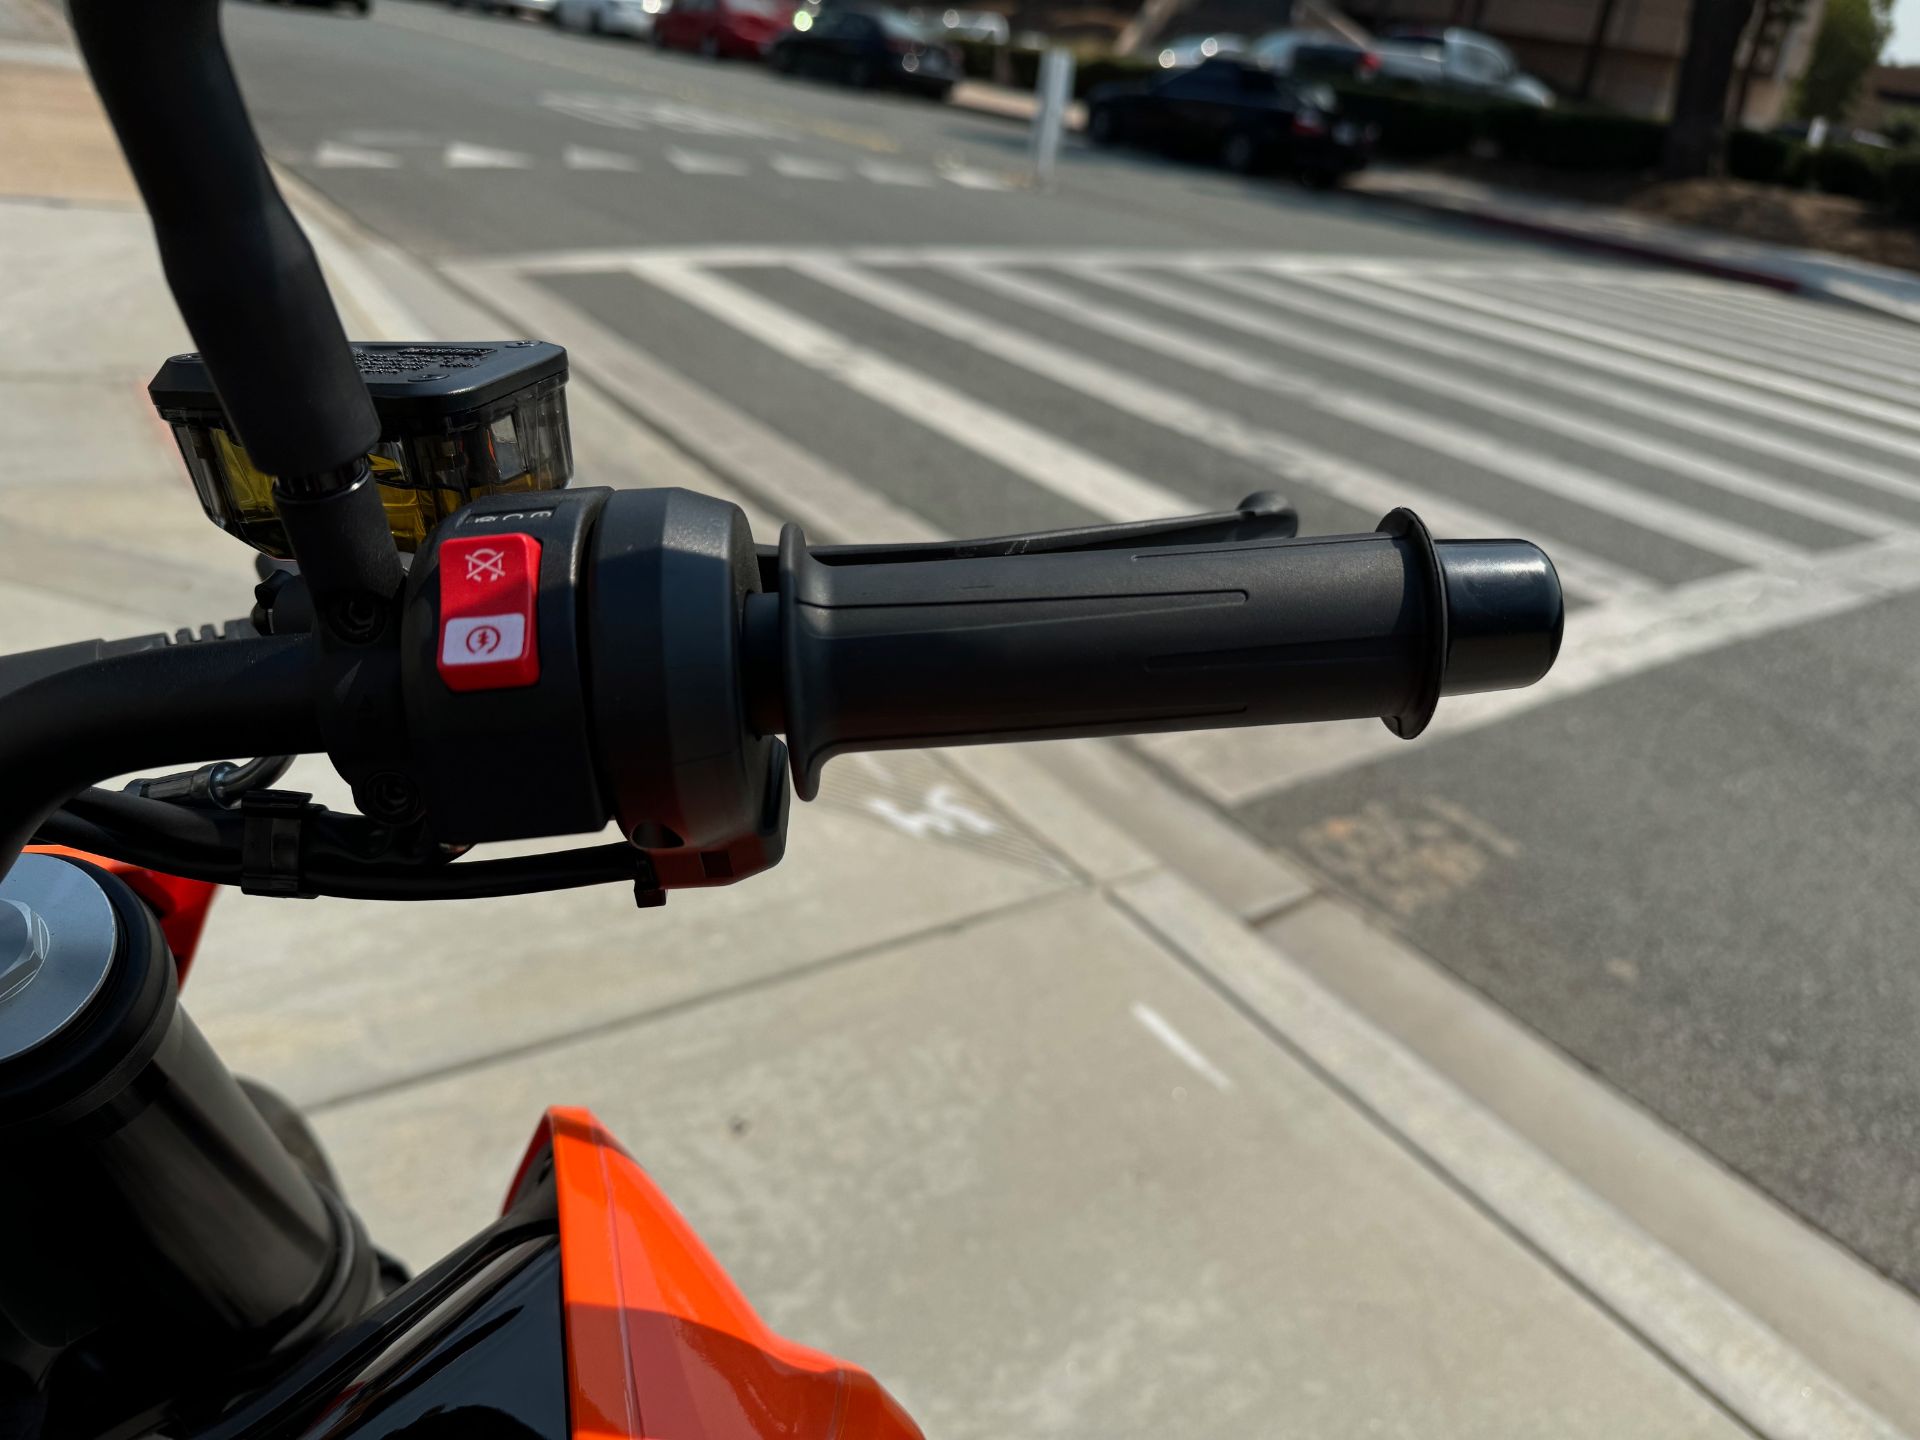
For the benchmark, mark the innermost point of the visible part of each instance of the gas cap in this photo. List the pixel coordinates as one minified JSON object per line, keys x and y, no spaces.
{"x":57,"y":943}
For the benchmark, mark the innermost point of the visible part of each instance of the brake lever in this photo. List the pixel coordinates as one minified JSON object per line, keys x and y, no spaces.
{"x":1263,"y":515}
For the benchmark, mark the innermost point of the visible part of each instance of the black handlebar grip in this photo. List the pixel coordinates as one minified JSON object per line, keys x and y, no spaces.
{"x":884,"y":655}
{"x":240,"y":268}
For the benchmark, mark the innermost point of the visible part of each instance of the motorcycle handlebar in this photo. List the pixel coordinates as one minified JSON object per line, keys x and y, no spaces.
{"x":242,"y":271}
{"x":875,"y":656}
{"x":660,"y":708}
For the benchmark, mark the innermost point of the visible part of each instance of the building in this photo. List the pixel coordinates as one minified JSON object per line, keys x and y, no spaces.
{"x":1624,"y":53}
{"x":1891,"y":92}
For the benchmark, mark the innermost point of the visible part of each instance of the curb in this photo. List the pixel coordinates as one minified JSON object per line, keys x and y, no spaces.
{"x":1605,"y":244}
{"x":1575,"y":239}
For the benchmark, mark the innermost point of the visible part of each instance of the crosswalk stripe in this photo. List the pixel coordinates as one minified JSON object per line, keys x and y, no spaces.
{"x":1631,"y":313}
{"x":333,"y":155}
{"x":461,"y":156}
{"x":888,"y":172}
{"x":1848,"y":324}
{"x":694,"y":162}
{"x":582,"y":157}
{"x":1604,"y":643}
{"x":1681,"y":356}
{"x":1781,"y":327}
{"x":1411,"y":333}
{"x":805,"y":167}
{"x":970,"y":179}
{"x":1527,"y":409}
{"x":1779,"y":410}
{"x":1287,"y":457}
{"x":789,"y":481}
{"x":1535,"y":469}
{"x":1036,"y":454}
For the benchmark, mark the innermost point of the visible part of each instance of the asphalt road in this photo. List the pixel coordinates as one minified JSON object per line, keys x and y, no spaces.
{"x":1689,"y":862}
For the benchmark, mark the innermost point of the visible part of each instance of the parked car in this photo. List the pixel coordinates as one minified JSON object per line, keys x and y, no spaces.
{"x":988,"y":26}
{"x":1314,"y":55}
{"x":723,"y":29}
{"x":1238,"y":113}
{"x":868,"y":45}
{"x":1463,"y":61}
{"x":1186,"y":51}
{"x":608,"y":17}
{"x":527,"y":9}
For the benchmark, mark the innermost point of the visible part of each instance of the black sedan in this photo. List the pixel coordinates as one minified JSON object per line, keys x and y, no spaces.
{"x":865,"y":46}
{"x":1236,"y":112}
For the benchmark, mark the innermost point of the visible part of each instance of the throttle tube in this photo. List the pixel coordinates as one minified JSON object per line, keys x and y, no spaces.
{"x":1123,"y":642}
{"x":240,"y":268}
{"x":150,"y":708}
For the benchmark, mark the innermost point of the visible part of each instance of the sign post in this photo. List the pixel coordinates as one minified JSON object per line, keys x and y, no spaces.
{"x":1054,"y":90}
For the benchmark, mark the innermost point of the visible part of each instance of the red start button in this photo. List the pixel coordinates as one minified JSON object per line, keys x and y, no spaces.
{"x":487,"y":635}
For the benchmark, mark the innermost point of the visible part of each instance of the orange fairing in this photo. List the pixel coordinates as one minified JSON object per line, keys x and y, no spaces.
{"x":180,"y":905}
{"x":660,"y":1343}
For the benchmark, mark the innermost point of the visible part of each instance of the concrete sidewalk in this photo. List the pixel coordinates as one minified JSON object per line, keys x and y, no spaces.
{"x":1621,"y":232}
{"x":994,"y":1085}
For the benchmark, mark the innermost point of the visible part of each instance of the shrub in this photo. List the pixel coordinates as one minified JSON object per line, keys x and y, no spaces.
{"x":1582,"y":140}
{"x":1859,"y":171}
{"x":1511,"y":129}
{"x":1411,"y":126}
{"x":980,"y":60}
{"x":1109,"y":69}
{"x":1756,"y":155}
{"x":1799,"y":172}
{"x":976,"y":58}
{"x":1903,"y":186}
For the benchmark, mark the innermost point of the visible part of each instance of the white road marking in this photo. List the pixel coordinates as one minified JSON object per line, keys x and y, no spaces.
{"x":387,"y":137}
{"x":791,"y":482}
{"x":888,"y":172}
{"x":691,"y":162}
{"x":581,"y":157}
{"x":1289,"y":459}
{"x":1674,"y":381}
{"x":1184,"y":1050}
{"x":646,"y":112}
{"x":975,"y":179}
{"x":461,"y":156}
{"x":1429,"y":431}
{"x":1767,"y":1385}
{"x":1725,"y":309}
{"x":1834,"y":320}
{"x":334,"y":155}
{"x":1755,"y":377}
{"x":1526,"y":409}
{"x":806,"y":167}
{"x":1026,"y":450}
{"x":1409,"y":332}
{"x":1626,"y":312}
{"x":1604,"y":643}
{"x":942,"y":812}
{"x":718,"y":257}
{"x":1785,"y":328}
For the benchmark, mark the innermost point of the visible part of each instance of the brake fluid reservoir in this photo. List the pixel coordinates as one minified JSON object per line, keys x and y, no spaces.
{"x":457,"y":421}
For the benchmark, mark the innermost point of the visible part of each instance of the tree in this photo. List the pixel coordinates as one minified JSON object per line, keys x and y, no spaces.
{"x":1706,"y":72}
{"x":1851,"y":36}
{"x":1771,"y":26}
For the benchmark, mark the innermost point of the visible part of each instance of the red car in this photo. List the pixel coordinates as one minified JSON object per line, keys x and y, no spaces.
{"x":742,"y":29}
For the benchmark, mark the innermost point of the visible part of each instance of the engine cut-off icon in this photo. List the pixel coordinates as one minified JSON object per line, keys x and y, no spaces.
{"x":486,"y":565}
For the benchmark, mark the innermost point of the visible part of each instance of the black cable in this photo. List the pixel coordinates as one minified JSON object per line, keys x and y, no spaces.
{"x":154,"y":707}
{"x":201,"y":843}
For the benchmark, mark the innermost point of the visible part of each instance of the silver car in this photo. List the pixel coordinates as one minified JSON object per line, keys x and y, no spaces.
{"x":608,"y":17}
